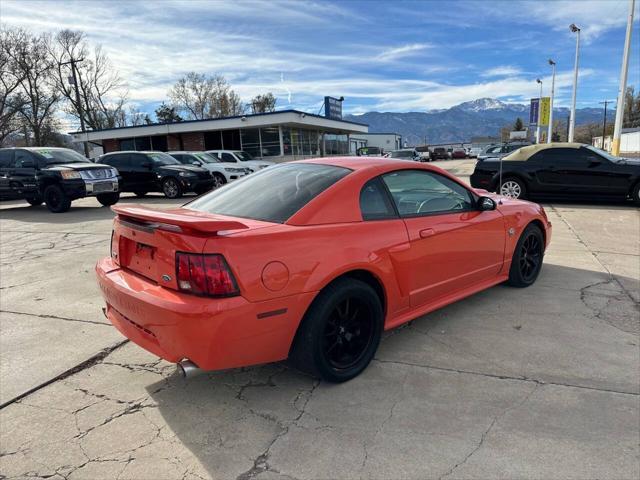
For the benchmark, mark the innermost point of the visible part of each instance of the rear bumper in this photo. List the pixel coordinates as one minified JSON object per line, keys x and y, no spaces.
{"x":482,"y":180}
{"x":213,"y":333}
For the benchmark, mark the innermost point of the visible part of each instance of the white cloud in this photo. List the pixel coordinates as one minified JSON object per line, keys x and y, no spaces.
{"x":502,"y":71}
{"x":401,"y":52}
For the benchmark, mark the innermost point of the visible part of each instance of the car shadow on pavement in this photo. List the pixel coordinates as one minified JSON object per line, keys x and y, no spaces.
{"x":573,"y":328}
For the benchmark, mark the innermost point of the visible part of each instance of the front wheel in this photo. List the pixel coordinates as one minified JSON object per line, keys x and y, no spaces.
{"x":340,"y":332}
{"x":56,"y":200}
{"x":108,"y":199}
{"x":171,"y":188}
{"x":636,"y":194}
{"x":527,"y":258}
{"x":218,"y":180}
{"x":513,"y":188}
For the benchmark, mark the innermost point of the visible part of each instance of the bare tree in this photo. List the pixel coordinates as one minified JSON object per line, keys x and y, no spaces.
{"x":200,"y":97}
{"x":11,"y":76}
{"x":263,"y":103}
{"x":102,"y":93}
{"x":37,"y":93}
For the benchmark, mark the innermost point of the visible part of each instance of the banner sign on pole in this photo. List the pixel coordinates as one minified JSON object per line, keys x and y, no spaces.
{"x":534,"y":111}
{"x":545,"y":110}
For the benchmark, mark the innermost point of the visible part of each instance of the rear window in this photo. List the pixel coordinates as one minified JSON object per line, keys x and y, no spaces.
{"x":273,"y":194}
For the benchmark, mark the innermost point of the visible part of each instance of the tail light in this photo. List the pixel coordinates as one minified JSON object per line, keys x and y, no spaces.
{"x":205,"y":275}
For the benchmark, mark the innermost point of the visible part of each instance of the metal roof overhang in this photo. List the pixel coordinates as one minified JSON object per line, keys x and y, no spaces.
{"x":289,"y":118}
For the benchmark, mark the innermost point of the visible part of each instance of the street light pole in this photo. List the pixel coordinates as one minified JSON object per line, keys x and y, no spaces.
{"x":538,"y":122}
{"x":572,"y":119}
{"x":553,"y":86}
{"x":617,"y":131}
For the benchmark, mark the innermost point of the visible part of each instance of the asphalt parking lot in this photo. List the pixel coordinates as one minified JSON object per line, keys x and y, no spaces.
{"x":541,"y":382}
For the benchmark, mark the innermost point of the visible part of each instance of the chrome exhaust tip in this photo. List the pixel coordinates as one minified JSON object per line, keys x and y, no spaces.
{"x":187,"y":368}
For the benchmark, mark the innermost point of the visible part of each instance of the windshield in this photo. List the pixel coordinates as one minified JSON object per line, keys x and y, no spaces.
{"x":495,"y":149}
{"x":243,"y":156}
{"x":607,"y":155}
{"x":402,"y":154}
{"x":206,"y":157}
{"x":273,"y":194}
{"x":60,"y":156}
{"x":160,"y":158}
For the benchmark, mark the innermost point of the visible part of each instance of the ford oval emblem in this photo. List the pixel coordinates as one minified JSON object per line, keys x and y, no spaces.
{"x":166,"y":278}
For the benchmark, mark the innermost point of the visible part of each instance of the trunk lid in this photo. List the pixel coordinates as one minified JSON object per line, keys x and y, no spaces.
{"x":145,"y":240}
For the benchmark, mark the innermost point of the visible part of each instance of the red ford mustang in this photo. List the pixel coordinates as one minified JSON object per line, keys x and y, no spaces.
{"x":311,"y":261}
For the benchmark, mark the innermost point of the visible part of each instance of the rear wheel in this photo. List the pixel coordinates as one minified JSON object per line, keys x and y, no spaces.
{"x":108,"y":199}
{"x":34,"y":201}
{"x":527,"y":258}
{"x":171,"y":188}
{"x":513,"y":188}
{"x":56,"y":200}
{"x":340,"y":332}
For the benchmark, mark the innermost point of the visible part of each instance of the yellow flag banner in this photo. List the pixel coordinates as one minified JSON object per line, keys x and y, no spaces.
{"x":545,"y":110}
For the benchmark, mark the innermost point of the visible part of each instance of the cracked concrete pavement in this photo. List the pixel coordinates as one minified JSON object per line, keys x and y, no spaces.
{"x":511,"y":383}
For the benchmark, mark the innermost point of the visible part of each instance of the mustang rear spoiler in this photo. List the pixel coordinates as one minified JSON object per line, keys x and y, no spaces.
{"x":177,"y":219}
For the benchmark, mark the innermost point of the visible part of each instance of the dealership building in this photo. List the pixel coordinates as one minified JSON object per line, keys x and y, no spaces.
{"x":279,"y":136}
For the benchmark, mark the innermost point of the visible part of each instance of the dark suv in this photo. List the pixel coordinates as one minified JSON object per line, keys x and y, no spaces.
{"x":56,"y":176}
{"x":144,"y":172}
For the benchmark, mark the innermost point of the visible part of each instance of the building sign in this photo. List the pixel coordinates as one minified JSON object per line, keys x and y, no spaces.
{"x":333,"y":108}
{"x":534,"y":111}
{"x":545,"y":110}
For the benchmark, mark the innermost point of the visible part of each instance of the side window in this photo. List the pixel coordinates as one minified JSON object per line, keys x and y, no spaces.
{"x":23,"y":156}
{"x":559,"y":157}
{"x":6,"y":158}
{"x":181,"y":158}
{"x":137,"y":159}
{"x":227,"y":157}
{"x":374,"y":201}
{"x":119,"y":160}
{"x":419,"y":192}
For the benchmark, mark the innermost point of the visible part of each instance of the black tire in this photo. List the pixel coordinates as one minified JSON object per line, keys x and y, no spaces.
{"x":635,"y":195}
{"x":140,"y":193}
{"x":340,"y":333}
{"x":218,"y":180}
{"x":513,"y":187}
{"x":108,"y":199}
{"x":56,"y":200}
{"x":527,"y":258}
{"x":34,"y":201}
{"x":171,"y":188}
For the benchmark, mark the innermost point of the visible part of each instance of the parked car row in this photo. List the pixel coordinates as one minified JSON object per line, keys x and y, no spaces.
{"x":58,"y":176}
{"x":500,"y":150}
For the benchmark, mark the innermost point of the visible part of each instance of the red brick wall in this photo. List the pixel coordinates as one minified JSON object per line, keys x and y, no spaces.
{"x":173,"y":143}
{"x":193,"y":141}
{"x":110,"y":145}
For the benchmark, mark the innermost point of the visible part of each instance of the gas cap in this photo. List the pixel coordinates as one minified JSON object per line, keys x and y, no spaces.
{"x":275,"y":276}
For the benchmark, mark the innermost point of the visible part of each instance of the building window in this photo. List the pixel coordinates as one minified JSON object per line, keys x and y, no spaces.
{"x":250,"y":141}
{"x":286,"y":141}
{"x":213,"y":140}
{"x":159,"y":143}
{"x":336,"y":144}
{"x":231,"y":140}
{"x":270,"y":142}
{"x":127,"y":144}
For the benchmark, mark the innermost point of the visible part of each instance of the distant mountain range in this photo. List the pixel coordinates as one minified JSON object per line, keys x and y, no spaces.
{"x":479,"y":118}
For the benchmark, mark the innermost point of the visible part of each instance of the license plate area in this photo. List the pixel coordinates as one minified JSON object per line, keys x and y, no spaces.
{"x":103,"y":187}
{"x":138,"y":256}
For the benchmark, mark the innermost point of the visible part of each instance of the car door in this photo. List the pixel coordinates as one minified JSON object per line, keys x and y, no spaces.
{"x":142,"y":172}
{"x":453,"y":245}
{"x":6,"y":162}
{"x":120,"y":161}
{"x":544,"y":167}
{"x":591,"y":173}
{"x":23,"y":172}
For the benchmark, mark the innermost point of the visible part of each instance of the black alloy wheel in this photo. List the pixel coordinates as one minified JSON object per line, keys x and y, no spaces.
{"x":341,"y":331}
{"x":218,"y":180}
{"x":56,"y":200}
{"x":527,"y":258}
{"x":171,"y":188}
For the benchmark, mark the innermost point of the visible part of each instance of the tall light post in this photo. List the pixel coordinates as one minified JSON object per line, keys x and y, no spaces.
{"x":553,"y":86}
{"x":617,"y":131}
{"x":572,"y":120}
{"x":539,"y":100}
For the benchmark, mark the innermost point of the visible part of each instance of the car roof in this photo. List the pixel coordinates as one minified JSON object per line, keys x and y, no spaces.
{"x":357,"y":163}
{"x":523,"y":153}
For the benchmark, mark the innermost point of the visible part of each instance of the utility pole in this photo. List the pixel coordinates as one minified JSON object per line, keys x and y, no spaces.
{"x":538,"y":122}
{"x":617,"y":131}
{"x":604,"y":120}
{"x":73,"y":62}
{"x":572,"y":120}
{"x":553,"y":86}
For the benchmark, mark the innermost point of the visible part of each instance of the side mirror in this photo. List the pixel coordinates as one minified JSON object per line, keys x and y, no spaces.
{"x":486,"y":204}
{"x":198,"y":163}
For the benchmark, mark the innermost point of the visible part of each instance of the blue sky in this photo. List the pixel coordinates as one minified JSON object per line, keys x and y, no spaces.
{"x":380,"y":55}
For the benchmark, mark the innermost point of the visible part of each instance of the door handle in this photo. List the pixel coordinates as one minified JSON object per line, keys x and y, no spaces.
{"x":427,"y":232}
